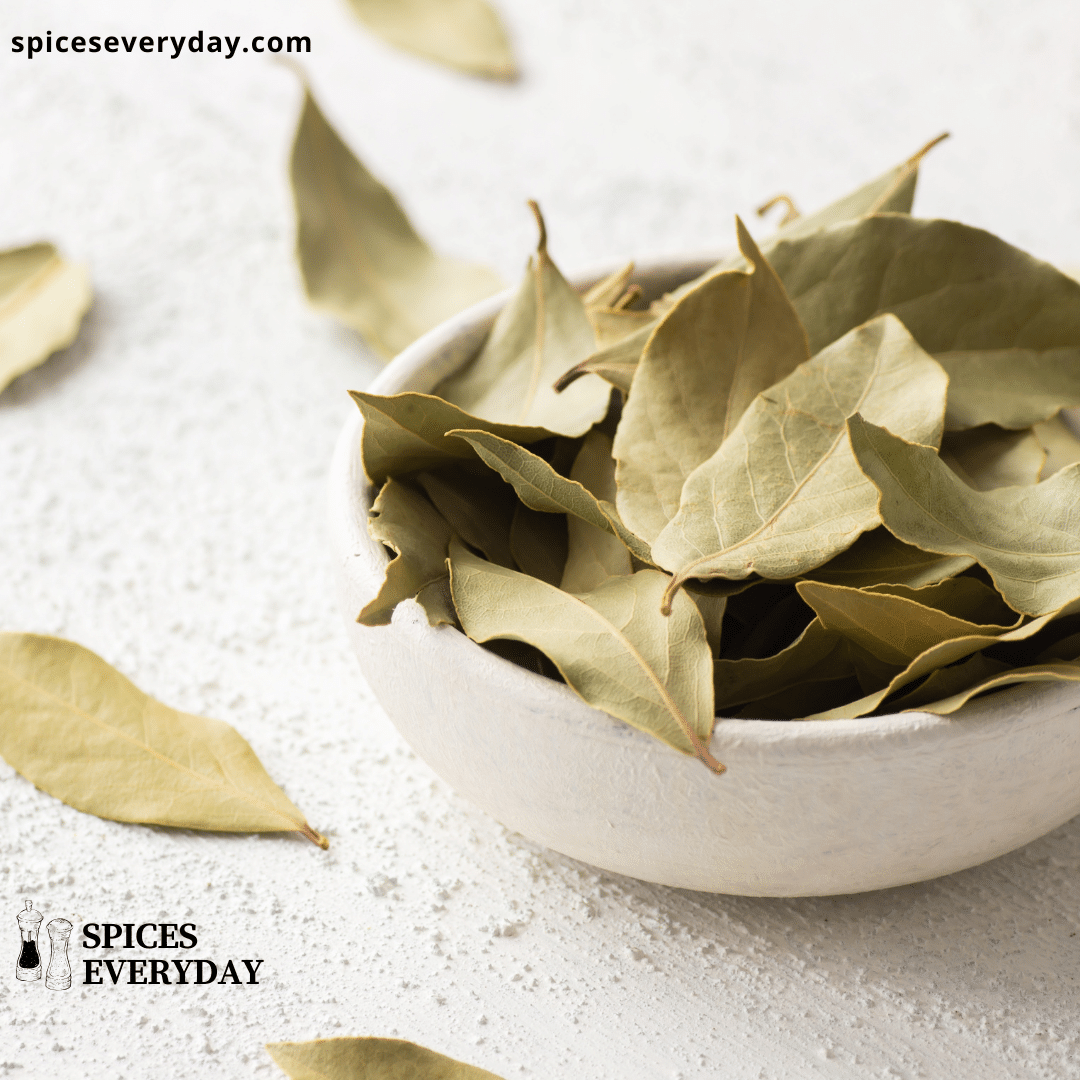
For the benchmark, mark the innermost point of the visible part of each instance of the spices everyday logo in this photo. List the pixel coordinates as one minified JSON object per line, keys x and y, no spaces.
{"x":139,"y":971}
{"x":28,"y":968}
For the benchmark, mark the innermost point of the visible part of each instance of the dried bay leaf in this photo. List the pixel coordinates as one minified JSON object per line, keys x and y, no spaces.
{"x":42,"y":301}
{"x":81,"y":732}
{"x":419,"y":535}
{"x":615,"y":364}
{"x":542,"y":331}
{"x":947,"y":681}
{"x":1058,"y":438}
{"x":538,"y":542}
{"x":1061,"y":671}
{"x":369,"y":1059}
{"x":541,"y":488}
{"x":898,"y":628}
{"x":362,"y":260}
{"x":1025,"y":537}
{"x":784,"y":493}
{"x":607,"y":290}
{"x":477,"y":505}
{"x":614,"y":325}
{"x":712,"y":354}
{"x":594,"y":554}
{"x":406,"y":432}
{"x":794,"y":702}
{"x":989,"y":457}
{"x":611,"y":645}
{"x":463,"y":34}
{"x":877,"y":557}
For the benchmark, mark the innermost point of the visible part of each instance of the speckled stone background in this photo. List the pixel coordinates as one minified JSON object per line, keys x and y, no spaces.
{"x":162,"y":498}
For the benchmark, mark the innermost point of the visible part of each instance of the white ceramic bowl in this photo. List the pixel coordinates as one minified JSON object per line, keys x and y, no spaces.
{"x":805,"y":808}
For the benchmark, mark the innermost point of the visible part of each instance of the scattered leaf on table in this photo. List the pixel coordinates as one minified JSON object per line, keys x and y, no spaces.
{"x":1025,"y":537}
{"x":612,"y":645}
{"x":369,"y":1059}
{"x":954,"y":287}
{"x":991,"y":457}
{"x":405,"y":432}
{"x":1013,"y":388}
{"x":713,"y":353}
{"x":895,"y":628}
{"x":784,"y":493}
{"x":361,"y":259}
{"x":540,"y":487}
{"x":419,"y":535}
{"x":594,"y":554}
{"x":81,"y":732}
{"x":878,"y":557}
{"x":538,"y":542}
{"x":476,"y":504}
{"x":1057,"y":437}
{"x":42,"y":302}
{"x":463,"y":34}
{"x":539,"y":334}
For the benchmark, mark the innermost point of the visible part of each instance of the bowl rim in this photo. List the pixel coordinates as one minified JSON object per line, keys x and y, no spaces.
{"x":445,"y":348}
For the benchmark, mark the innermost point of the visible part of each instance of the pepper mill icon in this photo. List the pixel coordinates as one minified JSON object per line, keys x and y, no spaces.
{"x":58,"y":977}
{"x":28,"y":967}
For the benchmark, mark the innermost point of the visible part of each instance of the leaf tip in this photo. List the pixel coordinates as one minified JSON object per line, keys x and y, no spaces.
{"x":541,"y":244}
{"x":316,"y":838}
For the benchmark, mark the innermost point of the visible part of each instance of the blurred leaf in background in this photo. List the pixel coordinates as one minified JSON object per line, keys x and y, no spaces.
{"x":369,"y":1059}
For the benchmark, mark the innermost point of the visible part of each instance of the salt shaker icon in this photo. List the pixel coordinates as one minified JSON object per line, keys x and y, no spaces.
{"x":58,"y":977}
{"x":28,"y":967}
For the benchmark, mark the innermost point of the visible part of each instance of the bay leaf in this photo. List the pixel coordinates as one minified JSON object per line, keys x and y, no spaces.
{"x":538,"y":542}
{"x":608,"y":289}
{"x":594,"y":554}
{"x":955,"y":288}
{"x":406,"y":432}
{"x":1058,"y":438}
{"x":403,"y":520}
{"x":1025,"y":537}
{"x":614,"y":325}
{"x":712,"y":610}
{"x":369,"y":1059}
{"x":42,"y":301}
{"x":947,"y":681}
{"x":784,"y":493}
{"x":1014,"y":388}
{"x":940,"y":656}
{"x":78,"y":730}
{"x":615,"y":364}
{"x":361,"y":259}
{"x":541,"y":488}
{"x":712,"y":354}
{"x":542,"y":331}
{"x":878,"y":557}
{"x":1061,"y":671}
{"x":989,"y":457}
{"x":477,"y":506}
{"x":464,"y":34}
{"x":794,"y":702}
{"x":898,"y":628}
{"x":611,"y":645}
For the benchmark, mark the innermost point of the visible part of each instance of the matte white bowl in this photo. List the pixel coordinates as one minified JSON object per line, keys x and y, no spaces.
{"x":805,"y":808}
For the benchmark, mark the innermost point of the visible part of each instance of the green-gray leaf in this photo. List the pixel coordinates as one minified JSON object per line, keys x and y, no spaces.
{"x":612,"y":645}
{"x":476,"y":504}
{"x":418,"y":534}
{"x":616,"y":364}
{"x":369,"y":1059}
{"x":713,"y":353}
{"x":1025,"y":537}
{"x":361,"y":258}
{"x":406,"y":432}
{"x":991,"y":457}
{"x":544,"y":330}
{"x":784,"y":493}
{"x":1057,"y":437}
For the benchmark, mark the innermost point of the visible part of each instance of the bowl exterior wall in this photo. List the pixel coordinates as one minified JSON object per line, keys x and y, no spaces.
{"x":804,"y":808}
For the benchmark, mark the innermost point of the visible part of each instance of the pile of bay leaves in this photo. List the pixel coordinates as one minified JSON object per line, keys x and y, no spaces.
{"x":828,"y":478}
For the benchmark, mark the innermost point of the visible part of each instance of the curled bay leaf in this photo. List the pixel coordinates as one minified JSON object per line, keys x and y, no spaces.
{"x":463,"y":34}
{"x":989,"y":457}
{"x":878,"y":557}
{"x":1025,"y":537}
{"x":81,"y":732}
{"x":614,"y":325}
{"x":42,"y":301}
{"x":405,"y":432}
{"x":1062,"y":671}
{"x":712,"y":354}
{"x":369,"y":1059}
{"x":362,"y":260}
{"x":615,"y":364}
{"x":407,"y":523}
{"x":608,"y":289}
{"x":539,"y":543}
{"x":542,"y":331}
{"x":784,"y":493}
{"x":477,"y":506}
{"x":611,"y":645}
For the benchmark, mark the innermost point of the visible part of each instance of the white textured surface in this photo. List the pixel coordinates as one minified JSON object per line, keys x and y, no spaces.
{"x":162,"y":499}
